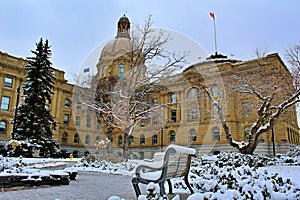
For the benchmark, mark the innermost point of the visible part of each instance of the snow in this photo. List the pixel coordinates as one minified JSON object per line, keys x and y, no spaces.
{"x":226,"y":176}
{"x":181,"y":149}
{"x":287,"y":172}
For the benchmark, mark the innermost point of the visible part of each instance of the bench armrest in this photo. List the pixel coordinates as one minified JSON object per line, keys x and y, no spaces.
{"x":153,"y":165}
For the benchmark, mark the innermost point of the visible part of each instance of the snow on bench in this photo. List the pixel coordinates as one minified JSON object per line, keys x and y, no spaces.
{"x":174,"y":162}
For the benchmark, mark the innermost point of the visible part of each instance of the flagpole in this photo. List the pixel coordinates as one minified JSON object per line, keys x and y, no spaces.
{"x":215,"y":35}
{"x":212,"y":15}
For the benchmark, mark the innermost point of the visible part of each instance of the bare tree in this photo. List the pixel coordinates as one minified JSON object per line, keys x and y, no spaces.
{"x":293,"y":57}
{"x":123,"y":102}
{"x":269,"y":89}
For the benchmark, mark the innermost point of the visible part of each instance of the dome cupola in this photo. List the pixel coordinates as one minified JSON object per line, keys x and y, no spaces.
{"x":114,"y":52}
{"x":123,"y":28}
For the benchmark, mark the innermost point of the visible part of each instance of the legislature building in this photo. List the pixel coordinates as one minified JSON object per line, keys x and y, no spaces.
{"x":186,"y":122}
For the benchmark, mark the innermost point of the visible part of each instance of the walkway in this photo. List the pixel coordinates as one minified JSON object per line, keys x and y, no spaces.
{"x":87,"y":186}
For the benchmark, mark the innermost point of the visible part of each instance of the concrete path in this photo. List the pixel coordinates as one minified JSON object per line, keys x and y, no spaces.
{"x":87,"y":186}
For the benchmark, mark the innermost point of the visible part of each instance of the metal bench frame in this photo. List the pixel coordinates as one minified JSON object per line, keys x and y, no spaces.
{"x":153,"y":165}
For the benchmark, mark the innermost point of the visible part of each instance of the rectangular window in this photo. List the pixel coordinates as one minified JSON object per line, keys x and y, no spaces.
{"x":67,"y":103}
{"x":192,"y":115}
{"x":154,"y":121}
{"x":173,"y":98}
{"x":78,"y":105}
{"x":154,"y":139}
{"x":103,"y":71}
{"x":215,"y":91}
{"x":88,"y":122}
{"x":5,"y":103}
{"x":121,"y":70}
{"x":143,"y":123}
{"x":66,"y":119}
{"x":8,"y":82}
{"x":173,"y":116}
{"x":245,"y":109}
{"x":77,"y":121}
{"x":98,"y":124}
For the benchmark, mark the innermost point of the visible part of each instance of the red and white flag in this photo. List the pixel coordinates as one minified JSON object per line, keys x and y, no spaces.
{"x":212,"y":15}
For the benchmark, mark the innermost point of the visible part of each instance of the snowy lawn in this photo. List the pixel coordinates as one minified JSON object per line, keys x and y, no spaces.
{"x":226,"y":176}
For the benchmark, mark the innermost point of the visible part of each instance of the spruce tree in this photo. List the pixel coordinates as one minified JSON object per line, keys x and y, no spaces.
{"x":34,"y":122}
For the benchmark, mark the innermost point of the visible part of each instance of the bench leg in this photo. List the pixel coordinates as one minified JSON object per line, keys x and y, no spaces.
{"x":162,"y":188}
{"x":188,"y":184}
{"x":135,"y":184}
{"x":170,"y":186}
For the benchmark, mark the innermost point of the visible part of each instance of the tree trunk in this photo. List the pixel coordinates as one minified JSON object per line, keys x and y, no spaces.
{"x":250,"y":148}
{"x":109,"y":147}
{"x":126,"y":144}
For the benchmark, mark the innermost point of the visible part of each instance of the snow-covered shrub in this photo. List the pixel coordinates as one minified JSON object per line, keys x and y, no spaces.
{"x":153,"y":193}
{"x":10,"y":165}
{"x":291,"y":158}
{"x":238,"y":173}
{"x":238,"y":160}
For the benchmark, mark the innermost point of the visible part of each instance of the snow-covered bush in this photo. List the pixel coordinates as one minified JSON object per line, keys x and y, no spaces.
{"x":291,"y":158}
{"x":10,"y":165}
{"x":238,"y":160}
{"x":153,"y":193}
{"x":237,"y":175}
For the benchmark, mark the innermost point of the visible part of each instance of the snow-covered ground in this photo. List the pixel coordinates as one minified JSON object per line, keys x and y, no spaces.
{"x":227,"y":176}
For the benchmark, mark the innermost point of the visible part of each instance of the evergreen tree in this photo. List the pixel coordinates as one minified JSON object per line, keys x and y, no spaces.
{"x":34,"y":122}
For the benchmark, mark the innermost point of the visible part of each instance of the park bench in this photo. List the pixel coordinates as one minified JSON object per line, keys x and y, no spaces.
{"x":174,"y":162}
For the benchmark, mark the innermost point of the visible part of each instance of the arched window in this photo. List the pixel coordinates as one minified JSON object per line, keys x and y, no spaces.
{"x":192,"y":93}
{"x":97,"y":139}
{"x":154,"y":139}
{"x":88,"y":122}
{"x":103,"y":71}
{"x":193,"y":109}
{"x":142,"y":139}
{"x":3,"y":127}
{"x":120,"y":140}
{"x":76,"y":138}
{"x":246,"y":133}
{"x":64,"y":137}
{"x":172,"y":136}
{"x":121,"y":70}
{"x":87,"y":139}
{"x":216,"y":134}
{"x":130,"y":139}
{"x":193,"y":135}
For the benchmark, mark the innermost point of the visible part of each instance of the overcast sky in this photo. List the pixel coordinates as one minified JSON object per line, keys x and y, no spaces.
{"x":75,"y":28}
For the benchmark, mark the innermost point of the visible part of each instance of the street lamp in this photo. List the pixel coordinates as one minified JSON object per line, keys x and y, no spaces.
{"x":16,"y":111}
{"x":273,"y":141}
{"x":162,"y":138}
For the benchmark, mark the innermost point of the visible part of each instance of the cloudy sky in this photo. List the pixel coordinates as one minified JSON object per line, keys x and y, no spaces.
{"x":75,"y":28}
